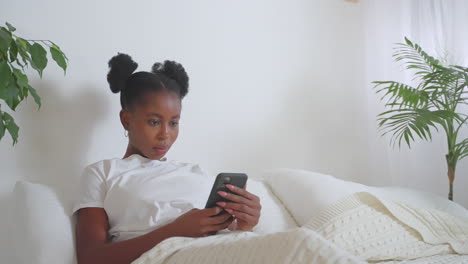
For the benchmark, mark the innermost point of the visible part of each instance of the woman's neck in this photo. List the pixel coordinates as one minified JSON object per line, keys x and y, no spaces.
{"x":130,"y":151}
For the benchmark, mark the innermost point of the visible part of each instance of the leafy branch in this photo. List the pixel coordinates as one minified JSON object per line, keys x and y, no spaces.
{"x":16,"y":54}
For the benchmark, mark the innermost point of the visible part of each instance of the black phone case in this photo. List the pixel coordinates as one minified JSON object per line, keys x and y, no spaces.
{"x":237,"y":179}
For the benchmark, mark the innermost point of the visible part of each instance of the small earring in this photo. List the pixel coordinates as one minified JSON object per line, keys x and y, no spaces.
{"x":125,"y":133}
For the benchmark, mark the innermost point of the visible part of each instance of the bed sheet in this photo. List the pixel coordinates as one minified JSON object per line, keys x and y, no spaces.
{"x":438,"y":259}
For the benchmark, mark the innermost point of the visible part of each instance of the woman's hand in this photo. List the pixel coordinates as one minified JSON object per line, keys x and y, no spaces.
{"x":201,"y":222}
{"x":245,"y":207}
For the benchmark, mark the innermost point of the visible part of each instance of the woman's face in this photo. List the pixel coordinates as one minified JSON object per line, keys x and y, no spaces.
{"x":153,"y":125}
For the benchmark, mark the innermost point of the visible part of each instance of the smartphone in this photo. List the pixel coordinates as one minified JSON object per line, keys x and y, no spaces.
{"x":236,"y":179}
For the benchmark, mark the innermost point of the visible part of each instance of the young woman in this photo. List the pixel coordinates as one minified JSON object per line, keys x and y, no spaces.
{"x":127,"y":206}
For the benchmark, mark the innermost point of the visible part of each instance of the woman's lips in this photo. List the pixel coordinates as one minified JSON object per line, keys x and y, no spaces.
{"x":160,"y":149}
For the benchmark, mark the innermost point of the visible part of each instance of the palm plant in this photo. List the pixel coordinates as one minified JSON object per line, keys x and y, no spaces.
{"x":434,"y":103}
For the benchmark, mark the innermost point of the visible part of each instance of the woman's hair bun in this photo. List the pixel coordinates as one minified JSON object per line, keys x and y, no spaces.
{"x":121,"y":68}
{"x":174,"y":71}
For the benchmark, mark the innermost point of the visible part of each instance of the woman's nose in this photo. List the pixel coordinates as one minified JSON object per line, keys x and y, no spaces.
{"x":163,"y":132}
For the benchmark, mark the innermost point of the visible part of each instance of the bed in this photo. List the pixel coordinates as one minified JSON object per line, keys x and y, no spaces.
{"x":295,"y":224}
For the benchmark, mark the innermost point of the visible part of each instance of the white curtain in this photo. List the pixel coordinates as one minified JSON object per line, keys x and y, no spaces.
{"x":440,"y":27}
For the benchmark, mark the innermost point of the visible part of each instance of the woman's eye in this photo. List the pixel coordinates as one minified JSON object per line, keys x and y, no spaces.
{"x":174,"y":123}
{"x":153,"y":122}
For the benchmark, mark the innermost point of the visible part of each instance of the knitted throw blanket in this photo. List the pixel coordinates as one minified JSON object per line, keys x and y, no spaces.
{"x":358,"y":228}
{"x":298,"y":246}
{"x":376,"y":230}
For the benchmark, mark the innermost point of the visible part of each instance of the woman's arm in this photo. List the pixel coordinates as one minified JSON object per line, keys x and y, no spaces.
{"x":93,"y":245}
{"x":92,"y":239}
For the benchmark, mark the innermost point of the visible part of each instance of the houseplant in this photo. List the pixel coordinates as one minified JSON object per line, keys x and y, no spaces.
{"x":16,"y":54}
{"x":434,"y":103}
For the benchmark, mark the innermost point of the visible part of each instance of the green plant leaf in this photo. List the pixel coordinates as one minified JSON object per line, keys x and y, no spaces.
{"x":9,"y":90}
{"x":22,"y":44}
{"x":5,"y":73}
{"x":13,"y":51}
{"x":2,"y":126}
{"x":399,"y":94}
{"x":24,"y":91}
{"x":34,"y":94}
{"x":11,"y":94}
{"x":21,"y":82}
{"x":416,"y":58}
{"x":58,"y":57}
{"x":408,"y":42}
{"x":10,"y":27}
{"x":39,"y":58}
{"x":11,"y":126}
{"x":21,"y":78}
{"x":23,"y":51}
{"x":5,"y":39}
{"x":403,"y":122}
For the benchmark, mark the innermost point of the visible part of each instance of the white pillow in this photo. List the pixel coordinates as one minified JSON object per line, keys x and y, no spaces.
{"x":6,"y":255}
{"x":43,"y":229}
{"x":306,"y":193}
{"x":274,"y":216}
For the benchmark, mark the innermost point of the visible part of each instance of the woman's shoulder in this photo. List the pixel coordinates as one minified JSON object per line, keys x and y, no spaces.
{"x":101,"y":167}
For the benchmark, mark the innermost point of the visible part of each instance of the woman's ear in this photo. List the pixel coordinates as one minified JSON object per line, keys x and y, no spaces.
{"x":125,"y":119}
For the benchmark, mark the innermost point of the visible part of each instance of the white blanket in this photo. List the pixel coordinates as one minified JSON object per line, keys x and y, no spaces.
{"x":378,"y":230}
{"x":438,"y":259}
{"x":357,"y":228}
{"x":299,"y":245}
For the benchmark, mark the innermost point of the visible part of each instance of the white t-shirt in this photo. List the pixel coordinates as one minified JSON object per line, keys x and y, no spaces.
{"x":140,"y":194}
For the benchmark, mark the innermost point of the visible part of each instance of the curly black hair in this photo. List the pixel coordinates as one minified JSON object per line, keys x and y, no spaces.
{"x":170,"y":76}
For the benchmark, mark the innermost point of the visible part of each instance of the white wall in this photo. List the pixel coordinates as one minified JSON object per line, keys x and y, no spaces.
{"x":273,"y":84}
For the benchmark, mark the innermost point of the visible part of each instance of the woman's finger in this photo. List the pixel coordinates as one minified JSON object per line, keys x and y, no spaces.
{"x":240,"y":207}
{"x":242,"y":216}
{"x":221,"y":226}
{"x":243,"y":192}
{"x":212,"y":211}
{"x":214,"y":220}
{"x":235,"y":198}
